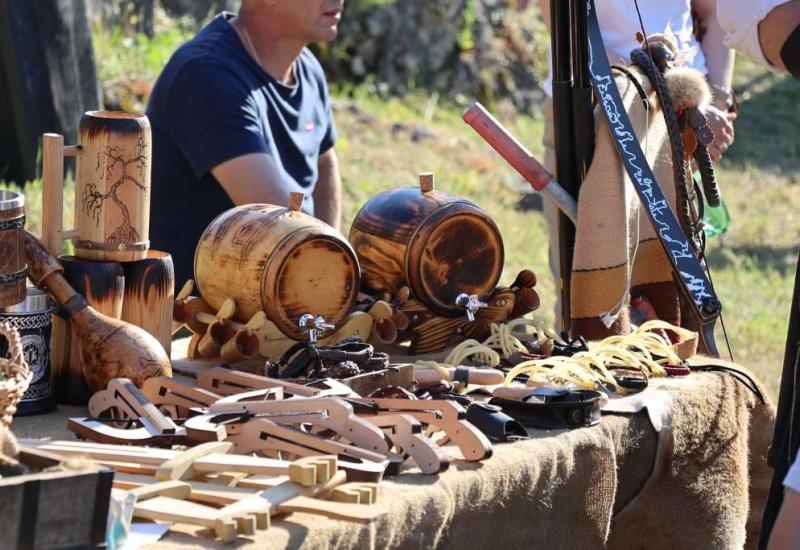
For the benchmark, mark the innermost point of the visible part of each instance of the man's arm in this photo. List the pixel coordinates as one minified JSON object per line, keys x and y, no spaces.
{"x":775,"y":28}
{"x":719,"y":65}
{"x":251,"y":178}
{"x":328,"y":192}
{"x":719,"y":59}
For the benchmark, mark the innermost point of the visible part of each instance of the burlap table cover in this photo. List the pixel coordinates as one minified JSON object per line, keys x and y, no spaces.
{"x":620,"y":484}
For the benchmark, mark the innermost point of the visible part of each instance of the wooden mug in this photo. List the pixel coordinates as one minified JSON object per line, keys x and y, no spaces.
{"x":12,"y":260}
{"x":149,"y":295}
{"x":112,"y":187}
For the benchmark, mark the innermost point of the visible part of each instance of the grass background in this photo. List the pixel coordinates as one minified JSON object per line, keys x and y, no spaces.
{"x":385,"y":143}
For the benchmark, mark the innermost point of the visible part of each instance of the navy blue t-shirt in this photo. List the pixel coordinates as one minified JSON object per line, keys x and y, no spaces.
{"x":213,"y":103}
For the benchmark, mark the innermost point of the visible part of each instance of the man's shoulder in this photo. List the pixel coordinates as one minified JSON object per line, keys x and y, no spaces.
{"x":211,"y":52}
{"x":311,"y":64}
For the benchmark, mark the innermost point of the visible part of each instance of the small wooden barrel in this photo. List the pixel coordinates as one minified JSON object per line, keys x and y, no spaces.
{"x":277,"y":260}
{"x":149,"y":295}
{"x":103,"y":286}
{"x":437,"y":244}
{"x":112,"y":188}
{"x":13,"y":269}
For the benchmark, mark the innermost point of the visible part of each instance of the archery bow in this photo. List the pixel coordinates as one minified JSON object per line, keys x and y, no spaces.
{"x":694,"y":283}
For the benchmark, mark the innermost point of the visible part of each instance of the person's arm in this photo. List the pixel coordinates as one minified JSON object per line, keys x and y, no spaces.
{"x":217,"y":127}
{"x":775,"y":28}
{"x":328,"y":192}
{"x":719,"y":66}
{"x":251,"y":178}
{"x":719,"y":59}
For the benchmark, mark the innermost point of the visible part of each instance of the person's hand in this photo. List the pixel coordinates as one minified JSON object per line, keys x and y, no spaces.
{"x":721,"y":123}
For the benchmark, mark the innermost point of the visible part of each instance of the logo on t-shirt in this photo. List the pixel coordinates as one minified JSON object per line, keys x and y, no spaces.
{"x":310,"y":127}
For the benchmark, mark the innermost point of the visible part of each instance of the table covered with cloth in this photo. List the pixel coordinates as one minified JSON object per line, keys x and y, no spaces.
{"x":681,"y":465}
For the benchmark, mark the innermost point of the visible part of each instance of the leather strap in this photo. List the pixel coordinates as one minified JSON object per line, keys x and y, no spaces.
{"x":461,"y":375}
{"x":573,"y":409}
{"x":72,"y":306}
{"x":686,"y":267}
{"x":14,"y":223}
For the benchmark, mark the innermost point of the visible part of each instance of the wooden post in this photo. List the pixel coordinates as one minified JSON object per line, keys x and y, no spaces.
{"x":426,"y":182}
{"x":47,"y":77}
{"x":52,"y":191}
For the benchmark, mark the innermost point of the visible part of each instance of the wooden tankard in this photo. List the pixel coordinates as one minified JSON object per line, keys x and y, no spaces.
{"x":112,"y":187}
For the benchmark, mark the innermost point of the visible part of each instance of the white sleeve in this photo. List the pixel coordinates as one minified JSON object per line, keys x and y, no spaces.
{"x":792,"y":479}
{"x":739,"y":19}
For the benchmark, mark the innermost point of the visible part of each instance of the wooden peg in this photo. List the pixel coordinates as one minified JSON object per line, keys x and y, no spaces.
{"x":187,"y":311}
{"x":296,"y":201}
{"x":426,"y":182}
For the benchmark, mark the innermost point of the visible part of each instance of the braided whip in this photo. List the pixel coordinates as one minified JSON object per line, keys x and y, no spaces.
{"x":686,"y":196}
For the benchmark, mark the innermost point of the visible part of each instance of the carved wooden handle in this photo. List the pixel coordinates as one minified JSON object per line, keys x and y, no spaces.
{"x":507,"y":145}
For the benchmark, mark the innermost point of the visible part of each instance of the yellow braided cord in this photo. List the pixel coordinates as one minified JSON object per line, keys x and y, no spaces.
{"x":472,"y":348}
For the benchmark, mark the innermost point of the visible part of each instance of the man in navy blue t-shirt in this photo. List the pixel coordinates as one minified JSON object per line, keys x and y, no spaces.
{"x":241,"y":114}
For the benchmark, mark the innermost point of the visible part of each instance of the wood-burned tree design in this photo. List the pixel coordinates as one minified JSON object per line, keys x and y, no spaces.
{"x":93,"y":199}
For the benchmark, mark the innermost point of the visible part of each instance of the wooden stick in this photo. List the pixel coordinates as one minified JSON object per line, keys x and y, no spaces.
{"x":181,"y":511}
{"x":52,"y":191}
{"x":479,"y":376}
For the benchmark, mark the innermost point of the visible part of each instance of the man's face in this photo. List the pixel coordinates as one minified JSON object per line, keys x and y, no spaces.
{"x":314,"y":20}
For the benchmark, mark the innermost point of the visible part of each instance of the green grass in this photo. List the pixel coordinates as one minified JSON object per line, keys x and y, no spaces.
{"x":385,"y":143}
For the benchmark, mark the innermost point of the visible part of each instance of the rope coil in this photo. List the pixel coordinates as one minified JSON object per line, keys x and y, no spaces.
{"x":15,"y":375}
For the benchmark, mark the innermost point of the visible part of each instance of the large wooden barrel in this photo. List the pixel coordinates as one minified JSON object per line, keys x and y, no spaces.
{"x":435,"y":243}
{"x":112,"y":187}
{"x":277,"y":260}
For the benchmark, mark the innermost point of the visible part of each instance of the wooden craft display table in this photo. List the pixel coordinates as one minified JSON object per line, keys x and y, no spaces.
{"x":688,"y":471}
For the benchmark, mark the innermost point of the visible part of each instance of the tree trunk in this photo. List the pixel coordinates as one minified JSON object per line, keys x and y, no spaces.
{"x":47,"y":78}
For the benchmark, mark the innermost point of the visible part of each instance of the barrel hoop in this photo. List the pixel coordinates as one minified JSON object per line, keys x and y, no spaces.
{"x":14,"y":223}
{"x":14,"y":277}
{"x":113,"y":247}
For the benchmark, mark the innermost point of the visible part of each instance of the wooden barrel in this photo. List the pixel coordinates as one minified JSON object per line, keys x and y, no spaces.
{"x":12,"y":255}
{"x":277,"y":260}
{"x":112,"y":187}
{"x":437,"y":244}
{"x":149,"y":295}
{"x":103,"y":286}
